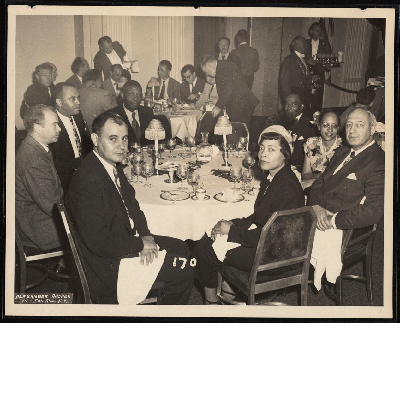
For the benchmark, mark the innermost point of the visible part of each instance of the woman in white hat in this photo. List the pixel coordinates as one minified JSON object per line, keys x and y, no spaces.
{"x":280,"y":190}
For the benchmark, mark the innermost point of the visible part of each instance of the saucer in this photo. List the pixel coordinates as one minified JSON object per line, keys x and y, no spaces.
{"x":206,"y":197}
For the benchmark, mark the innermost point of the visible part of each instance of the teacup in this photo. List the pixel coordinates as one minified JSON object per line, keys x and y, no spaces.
{"x":200,"y":194}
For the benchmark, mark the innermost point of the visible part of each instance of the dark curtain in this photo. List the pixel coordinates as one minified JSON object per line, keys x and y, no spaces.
{"x":207,"y":30}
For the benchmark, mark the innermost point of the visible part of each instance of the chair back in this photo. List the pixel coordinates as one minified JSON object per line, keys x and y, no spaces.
{"x":239,"y":129}
{"x":73,"y":241}
{"x":286,"y":239}
{"x":355,"y":240}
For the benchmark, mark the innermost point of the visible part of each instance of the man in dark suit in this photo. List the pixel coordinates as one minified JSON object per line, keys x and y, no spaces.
{"x":136,"y":117}
{"x":168,"y":87}
{"x":316,"y":45}
{"x":111,"y":225}
{"x":111,"y":84}
{"x":233,"y":92}
{"x":293,"y":74}
{"x":42,"y":90}
{"x":298,"y":124}
{"x":250,"y":60}
{"x":37,"y":186}
{"x":79,"y":67}
{"x":223,"y":53}
{"x":74,"y":142}
{"x":110,"y":53}
{"x":192,"y":86}
{"x":350,"y":193}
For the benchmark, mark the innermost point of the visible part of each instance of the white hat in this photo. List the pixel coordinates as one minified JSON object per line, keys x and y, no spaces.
{"x":282,"y":131}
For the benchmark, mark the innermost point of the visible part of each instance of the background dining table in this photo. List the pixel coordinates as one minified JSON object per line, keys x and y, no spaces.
{"x":190,"y":219}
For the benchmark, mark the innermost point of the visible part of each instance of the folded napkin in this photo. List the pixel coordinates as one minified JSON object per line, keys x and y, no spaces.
{"x":135,"y":280}
{"x":326,"y":255}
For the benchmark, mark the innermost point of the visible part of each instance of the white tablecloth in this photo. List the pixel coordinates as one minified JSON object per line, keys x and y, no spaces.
{"x":189,"y":219}
{"x":184,"y":125}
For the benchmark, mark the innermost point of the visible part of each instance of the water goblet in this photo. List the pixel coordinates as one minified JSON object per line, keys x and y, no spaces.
{"x":247,"y":176}
{"x":191,"y":142}
{"x":182,"y":173}
{"x":136,"y":171}
{"x":161,"y":149}
{"x":147,"y":171}
{"x":239,"y":148}
{"x":248,"y":161}
{"x":137,"y":158}
{"x":236,"y":175}
{"x":244,"y":141}
{"x":150,"y":149}
{"x":171,"y":144}
{"x":134,"y":147}
{"x":193,"y":179}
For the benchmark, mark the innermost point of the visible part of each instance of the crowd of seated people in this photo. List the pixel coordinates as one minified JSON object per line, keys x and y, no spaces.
{"x":78,"y":132}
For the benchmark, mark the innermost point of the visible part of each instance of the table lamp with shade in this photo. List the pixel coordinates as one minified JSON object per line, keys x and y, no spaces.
{"x":156,"y":132}
{"x":224,"y":127}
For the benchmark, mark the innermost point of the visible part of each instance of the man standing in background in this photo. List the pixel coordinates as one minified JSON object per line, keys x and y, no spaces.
{"x":79,"y":67}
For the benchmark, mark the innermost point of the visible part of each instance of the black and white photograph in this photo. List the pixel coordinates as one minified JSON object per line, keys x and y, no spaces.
{"x":209,"y":162}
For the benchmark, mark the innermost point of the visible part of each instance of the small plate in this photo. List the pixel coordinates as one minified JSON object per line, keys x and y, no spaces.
{"x":175,"y":195}
{"x":167,"y":166}
{"x":206,"y":197}
{"x":219,"y":198}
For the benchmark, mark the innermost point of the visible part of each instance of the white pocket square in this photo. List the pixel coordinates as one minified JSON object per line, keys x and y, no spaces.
{"x":352,"y":176}
{"x":300,"y":138}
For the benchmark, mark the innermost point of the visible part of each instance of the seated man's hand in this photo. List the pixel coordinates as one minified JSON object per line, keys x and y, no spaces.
{"x":221,"y":228}
{"x":148,"y":256}
{"x":192,"y":97}
{"x":149,"y":243}
{"x":324,"y":218}
{"x":215,"y":111}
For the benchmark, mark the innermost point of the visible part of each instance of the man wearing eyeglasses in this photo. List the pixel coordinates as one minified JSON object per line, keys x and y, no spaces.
{"x":192,"y":86}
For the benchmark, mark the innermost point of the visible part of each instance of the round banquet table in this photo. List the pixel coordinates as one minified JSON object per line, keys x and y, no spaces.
{"x":189,"y":219}
{"x":183,"y":122}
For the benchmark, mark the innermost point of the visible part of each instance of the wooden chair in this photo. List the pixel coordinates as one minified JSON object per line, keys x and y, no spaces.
{"x":25,"y":258}
{"x":155,"y":293}
{"x":282,"y":258}
{"x":239,"y":129}
{"x":357,"y":245}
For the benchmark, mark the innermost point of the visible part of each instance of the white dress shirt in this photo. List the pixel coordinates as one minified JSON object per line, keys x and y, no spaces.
{"x":314,"y":47}
{"x":226,"y":56}
{"x":115,"y":86}
{"x":192,"y":85}
{"x":166,"y":88}
{"x":114,"y":58}
{"x":70,"y":130}
{"x":129,"y":115}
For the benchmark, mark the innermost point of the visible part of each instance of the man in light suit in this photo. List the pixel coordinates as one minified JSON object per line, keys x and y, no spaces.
{"x":293,"y":74}
{"x":74,"y":141}
{"x":137,"y":117}
{"x":111,"y":83}
{"x":111,"y":225}
{"x":169,"y":88}
{"x":350,"y":193}
{"x":79,"y":67}
{"x":37,"y":186}
{"x":192,"y":86}
{"x":94,"y":100}
{"x":233,"y":92}
{"x":249,"y":58}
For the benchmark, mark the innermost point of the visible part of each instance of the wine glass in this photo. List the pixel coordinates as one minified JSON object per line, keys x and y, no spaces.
{"x":147,"y":171}
{"x":193,"y":179}
{"x":248,"y":161}
{"x":136,"y":171}
{"x":171,"y":144}
{"x":236,"y":175}
{"x":247,"y":176}
{"x":239,"y":148}
{"x":137,"y":158}
{"x":135,"y":146}
{"x":182,"y":172}
{"x":161,"y":149}
{"x":191,"y":142}
{"x":150,"y":149}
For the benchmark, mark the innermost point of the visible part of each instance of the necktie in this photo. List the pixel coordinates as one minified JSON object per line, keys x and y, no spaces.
{"x":162,"y":93}
{"x":223,"y":58}
{"x":77,"y":138}
{"x":116,"y":89}
{"x":136,"y":127}
{"x":117,"y":183}
{"x":352,"y":154}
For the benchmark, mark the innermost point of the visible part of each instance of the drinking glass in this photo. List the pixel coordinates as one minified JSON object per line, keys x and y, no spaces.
{"x":134,"y":147}
{"x":239,"y":148}
{"x":161,"y":149}
{"x":147,"y":171}
{"x":171,"y":144}
{"x":236,"y":175}
{"x":182,"y":172}
{"x":136,"y":171}
{"x":247,"y":176}
{"x":191,"y":142}
{"x":193,"y":179}
{"x":150,"y":149}
{"x":248,"y":161}
{"x":137,"y":158}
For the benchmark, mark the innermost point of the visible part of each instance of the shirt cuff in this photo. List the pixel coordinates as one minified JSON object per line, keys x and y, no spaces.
{"x":334,"y":221}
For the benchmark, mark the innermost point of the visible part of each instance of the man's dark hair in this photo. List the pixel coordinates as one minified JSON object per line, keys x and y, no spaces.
{"x":43,"y":66}
{"x":242,"y":36}
{"x":100,"y":121}
{"x":312,"y":26}
{"x":366,"y":96}
{"x":131,"y":84}
{"x":112,"y":68}
{"x":299,"y":95}
{"x":60,"y":88}
{"x":91,"y":75}
{"x":103,"y":39}
{"x":285,"y":148}
{"x":77,"y":64}
{"x":35,"y":115}
{"x":224,"y":38}
{"x":187,"y":67}
{"x":328,"y":111}
{"x":167,"y":64}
